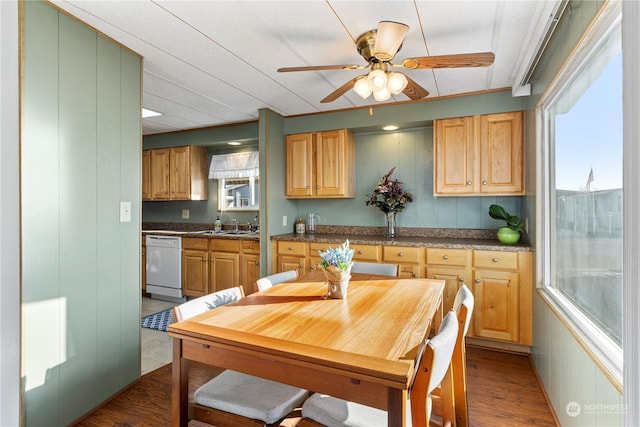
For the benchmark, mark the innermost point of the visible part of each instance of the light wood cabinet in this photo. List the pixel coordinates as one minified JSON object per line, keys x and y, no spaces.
{"x":146,"y":175}
{"x":291,"y":256}
{"x":175,"y":173}
{"x":195,"y":267}
{"x":250,"y":265}
{"x":410,"y":260}
{"x":224,"y":264}
{"x":479,"y":155}
{"x":320,"y":165}
{"x":454,"y":267}
{"x":502,"y":287}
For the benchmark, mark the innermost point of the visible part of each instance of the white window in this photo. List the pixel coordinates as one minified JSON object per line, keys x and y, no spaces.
{"x":580,"y":118}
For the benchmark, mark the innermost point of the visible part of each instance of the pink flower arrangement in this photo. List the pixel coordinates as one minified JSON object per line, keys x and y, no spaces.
{"x":389,"y":195}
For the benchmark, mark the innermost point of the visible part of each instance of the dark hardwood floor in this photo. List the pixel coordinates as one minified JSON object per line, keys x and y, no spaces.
{"x":502,"y":390}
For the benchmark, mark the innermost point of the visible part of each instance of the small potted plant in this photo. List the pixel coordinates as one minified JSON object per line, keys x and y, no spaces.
{"x":336,"y":265}
{"x":510,"y":233}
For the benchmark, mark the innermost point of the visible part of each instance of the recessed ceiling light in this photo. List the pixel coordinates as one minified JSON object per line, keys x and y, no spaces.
{"x":390,"y":127}
{"x":233,"y":143}
{"x":149,"y":113}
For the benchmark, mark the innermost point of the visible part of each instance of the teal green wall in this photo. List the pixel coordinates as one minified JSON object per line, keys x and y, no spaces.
{"x":81,"y":140}
{"x":565,"y":368}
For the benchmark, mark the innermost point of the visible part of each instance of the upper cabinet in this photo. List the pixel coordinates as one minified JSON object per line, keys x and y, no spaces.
{"x":479,"y":155}
{"x":321,"y":165}
{"x":175,"y":173}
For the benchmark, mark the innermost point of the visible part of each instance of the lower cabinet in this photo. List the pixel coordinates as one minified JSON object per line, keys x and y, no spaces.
{"x":291,"y":256}
{"x":410,"y":260}
{"x":195,"y":267}
{"x":210,"y":265}
{"x":503,"y":291}
{"x":454,"y":267}
{"x":224,"y":264}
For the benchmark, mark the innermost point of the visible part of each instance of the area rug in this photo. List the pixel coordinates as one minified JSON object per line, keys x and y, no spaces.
{"x":158,"y":321}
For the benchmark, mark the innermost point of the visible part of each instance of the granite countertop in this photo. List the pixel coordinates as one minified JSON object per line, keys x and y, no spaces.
{"x":203,"y":231}
{"x":415,"y":237}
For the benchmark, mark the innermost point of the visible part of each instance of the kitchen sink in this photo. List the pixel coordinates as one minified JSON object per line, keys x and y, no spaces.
{"x":224,"y":233}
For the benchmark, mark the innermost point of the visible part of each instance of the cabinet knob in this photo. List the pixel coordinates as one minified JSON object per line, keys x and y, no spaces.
{"x":290,"y":248}
{"x":445,"y":257}
{"x":477,"y":280}
{"x":250,"y":246}
{"x":468,"y":182}
{"x":204,"y":259}
{"x":317,"y":187}
{"x":257,"y":263}
{"x":495,"y":260}
{"x":415,"y":276}
{"x":461,"y":279}
{"x":300,"y":266}
{"x":484,"y":182}
{"x":400,"y":254}
{"x":360,"y":252}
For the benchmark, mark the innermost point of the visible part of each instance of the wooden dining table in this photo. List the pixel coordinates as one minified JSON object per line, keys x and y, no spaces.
{"x":361,"y":348}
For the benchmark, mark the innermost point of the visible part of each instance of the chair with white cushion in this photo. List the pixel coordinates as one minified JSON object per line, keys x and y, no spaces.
{"x":375,"y":268}
{"x":269,"y":281}
{"x":207,"y":302}
{"x":233,"y":398}
{"x":463,"y":306}
{"x":432,"y":362}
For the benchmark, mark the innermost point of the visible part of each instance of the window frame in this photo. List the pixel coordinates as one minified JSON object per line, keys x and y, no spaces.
{"x":607,"y":355}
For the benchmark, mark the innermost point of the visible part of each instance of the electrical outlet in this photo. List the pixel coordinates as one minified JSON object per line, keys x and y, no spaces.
{"x":125,"y":211}
{"x":185,"y":213}
{"x":284,"y":220}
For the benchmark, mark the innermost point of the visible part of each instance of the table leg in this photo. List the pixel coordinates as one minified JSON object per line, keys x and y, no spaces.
{"x":180,"y":386}
{"x":397,"y":404}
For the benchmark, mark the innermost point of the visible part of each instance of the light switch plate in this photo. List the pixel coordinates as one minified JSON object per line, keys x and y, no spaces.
{"x":284,"y":221}
{"x":125,"y":211}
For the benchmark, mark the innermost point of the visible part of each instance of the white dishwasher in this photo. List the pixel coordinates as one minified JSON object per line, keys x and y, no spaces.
{"x":164,"y":267}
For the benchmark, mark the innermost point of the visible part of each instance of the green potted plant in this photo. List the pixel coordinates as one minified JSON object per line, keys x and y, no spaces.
{"x":511,"y":232}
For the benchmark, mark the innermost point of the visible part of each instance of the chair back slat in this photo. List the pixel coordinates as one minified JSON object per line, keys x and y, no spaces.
{"x":274,"y":279}
{"x":208,"y":302}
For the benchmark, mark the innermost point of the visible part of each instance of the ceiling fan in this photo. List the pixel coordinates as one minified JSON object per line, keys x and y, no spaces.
{"x":378,"y":48}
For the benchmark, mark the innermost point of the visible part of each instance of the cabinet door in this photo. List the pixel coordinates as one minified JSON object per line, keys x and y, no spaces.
{"x":299,"y":162}
{"x":453,"y":277}
{"x":250,"y":271}
{"x":146,"y":175}
{"x":501,"y":158}
{"x":334,"y":171}
{"x":194,"y":273}
{"x":454,"y":157}
{"x":287,"y":262}
{"x":160,"y":173}
{"x":496,"y":311}
{"x":180,"y":177}
{"x":224,"y":271}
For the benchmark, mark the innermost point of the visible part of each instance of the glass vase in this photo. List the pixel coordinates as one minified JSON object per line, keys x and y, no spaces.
{"x":391,"y":224}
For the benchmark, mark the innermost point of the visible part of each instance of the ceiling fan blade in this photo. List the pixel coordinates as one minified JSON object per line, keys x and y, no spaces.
{"x":389,"y":38}
{"x":321,"y":68}
{"x":341,"y":90}
{"x":482,"y":59}
{"x":414,"y":90}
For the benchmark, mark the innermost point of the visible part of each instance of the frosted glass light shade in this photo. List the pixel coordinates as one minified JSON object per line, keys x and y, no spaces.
{"x":377,"y":80}
{"x":382,"y":94}
{"x":396,"y":82}
{"x":362,"y":87}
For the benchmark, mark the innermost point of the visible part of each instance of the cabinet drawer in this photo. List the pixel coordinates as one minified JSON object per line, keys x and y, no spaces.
{"x":314,"y":247}
{"x":292,"y":248}
{"x":225,"y":245}
{"x":250,"y":247}
{"x":459,"y":257}
{"x":496,"y":259}
{"x":401,"y":254}
{"x":367,"y":252}
{"x":195,"y":243}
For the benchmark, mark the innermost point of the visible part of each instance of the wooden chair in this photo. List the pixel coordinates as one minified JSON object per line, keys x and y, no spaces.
{"x":433,"y":360}
{"x":233,"y":398}
{"x":375,"y":268}
{"x":268,"y":281}
{"x":463,"y":306}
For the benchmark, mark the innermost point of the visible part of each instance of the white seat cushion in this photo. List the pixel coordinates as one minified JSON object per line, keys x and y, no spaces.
{"x":249,"y":396}
{"x":334,"y":412}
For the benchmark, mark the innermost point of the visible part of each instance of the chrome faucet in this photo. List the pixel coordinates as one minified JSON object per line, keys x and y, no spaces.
{"x":235,"y":225}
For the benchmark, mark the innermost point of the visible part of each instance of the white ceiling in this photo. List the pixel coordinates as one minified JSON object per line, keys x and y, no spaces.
{"x":209,"y":63}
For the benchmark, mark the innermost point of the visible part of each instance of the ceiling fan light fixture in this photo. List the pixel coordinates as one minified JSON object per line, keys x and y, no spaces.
{"x":362,"y":87}
{"x":377,"y":80}
{"x":396,"y":82}
{"x":389,"y":38}
{"x":382,"y":94}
